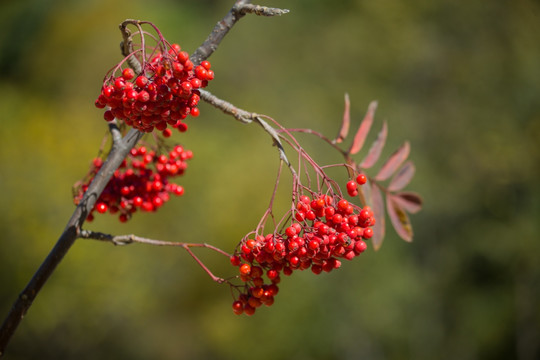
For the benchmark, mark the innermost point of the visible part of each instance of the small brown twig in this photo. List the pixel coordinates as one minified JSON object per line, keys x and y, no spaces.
{"x":247,"y":117}
{"x":239,"y":10}
{"x":132,"y":239}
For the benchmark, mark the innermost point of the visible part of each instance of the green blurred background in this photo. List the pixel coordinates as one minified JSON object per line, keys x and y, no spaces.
{"x":460,"y":81}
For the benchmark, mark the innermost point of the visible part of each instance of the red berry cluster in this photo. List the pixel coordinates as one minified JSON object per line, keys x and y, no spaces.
{"x":163,"y":94}
{"x":327,"y":229}
{"x":141,"y":182}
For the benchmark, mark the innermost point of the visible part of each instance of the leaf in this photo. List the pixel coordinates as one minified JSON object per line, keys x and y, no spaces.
{"x":344,"y":131}
{"x":377,"y":205}
{"x":393,"y":162}
{"x":399,"y":219}
{"x":375,"y":149}
{"x":363,"y":129}
{"x":402,"y":177}
{"x":409,"y":201}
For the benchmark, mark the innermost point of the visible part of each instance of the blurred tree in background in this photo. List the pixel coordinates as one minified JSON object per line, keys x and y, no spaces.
{"x":460,"y":81}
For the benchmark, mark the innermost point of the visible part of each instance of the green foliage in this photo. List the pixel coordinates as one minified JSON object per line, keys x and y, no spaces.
{"x":460,"y":82}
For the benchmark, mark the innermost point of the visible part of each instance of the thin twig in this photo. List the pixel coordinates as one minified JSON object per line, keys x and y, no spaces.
{"x":259,"y":10}
{"x":132,"y":239}
{"x":243,"y":116}
{"x":221,"y":29}
{"x":247,"y":117}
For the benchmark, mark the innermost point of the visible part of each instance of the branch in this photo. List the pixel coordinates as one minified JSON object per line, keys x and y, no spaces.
{"x":247,"y":117}
{"x":259,"y":10}
{"x":239,"y":10}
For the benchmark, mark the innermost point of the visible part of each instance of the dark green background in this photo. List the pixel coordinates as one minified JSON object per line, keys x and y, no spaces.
{"x":460,"y":81}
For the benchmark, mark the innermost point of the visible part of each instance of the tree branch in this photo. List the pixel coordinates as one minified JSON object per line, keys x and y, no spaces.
{"x":247,"y":117}
{"x":239,"y":9}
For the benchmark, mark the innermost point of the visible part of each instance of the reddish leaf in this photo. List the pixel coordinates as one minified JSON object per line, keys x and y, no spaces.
{"x":377,"y":205}
{"x":363,"y":129}
{"x":376,"y":149}
{"x":394,"y":162}
{"x":346,"y":121}
{"x":402,"y":177}
{"x":409,"y":201}
{"x":399,"y":219}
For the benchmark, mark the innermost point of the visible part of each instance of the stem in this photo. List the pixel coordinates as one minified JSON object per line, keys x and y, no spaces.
{"x":221,"y":29}
{"x":131,"y":239}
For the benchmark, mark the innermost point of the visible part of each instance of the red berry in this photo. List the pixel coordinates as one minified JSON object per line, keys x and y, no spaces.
{"x":101,"y":207}
{"x":128,"y":74}
{"x":119,"y":84}
{"x":368,"y":233}
{"x":361,"y":179}
{"x":245,"y":269}
{"x":182,"y":56}
{"x":141,"y":81}
{"x":235,"y":260}
{"x":175,"y":49}
{"x":108,"y":115}
{"x":290,"y":231}
{"x":206,"y":64}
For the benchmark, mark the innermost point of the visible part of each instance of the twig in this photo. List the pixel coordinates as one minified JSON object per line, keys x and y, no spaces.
{"x":247,"y":117}
{"x":259,"y":10}
{"x":131,"y":239}
{"x":241,"y":115}
{"x":239,"y":9}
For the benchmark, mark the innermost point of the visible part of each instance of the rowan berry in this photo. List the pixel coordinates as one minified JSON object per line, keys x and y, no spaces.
{"x":361,"y":179}
{"x":128,"y":74}
{"x":108,"y":115}
{"x":101,"y":207}
{"x":245,"y":269}
{"x":238,"y":307}
{"x":368,"y":233}
{"x":351,"y":186}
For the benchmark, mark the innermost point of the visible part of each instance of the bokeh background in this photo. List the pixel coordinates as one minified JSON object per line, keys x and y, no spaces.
{"x":460,"y":81}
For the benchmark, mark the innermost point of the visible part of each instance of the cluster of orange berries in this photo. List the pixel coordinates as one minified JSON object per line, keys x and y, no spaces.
{"x":327,"y":229}
{"x":163,"y":94}
{"x":141,"y":182}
